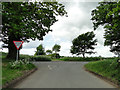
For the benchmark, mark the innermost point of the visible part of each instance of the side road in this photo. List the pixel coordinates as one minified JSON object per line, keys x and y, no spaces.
{"x":62,"y":75}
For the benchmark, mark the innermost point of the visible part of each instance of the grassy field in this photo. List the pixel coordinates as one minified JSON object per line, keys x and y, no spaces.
{"x":108,"y":68}
{"x":9,"y":73}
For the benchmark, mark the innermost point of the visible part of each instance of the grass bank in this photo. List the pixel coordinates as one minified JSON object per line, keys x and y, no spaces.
{"x":12,"y":69}
{"x":108,"y":68}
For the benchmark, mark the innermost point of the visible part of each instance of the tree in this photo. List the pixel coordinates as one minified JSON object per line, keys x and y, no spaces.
{"x":56,"y":48}
{"x":48,"y":52}
{"x":108,"y":14}
{"x":83,"y":44}
{"x":40,"y":50}
{"x":27,"y":20}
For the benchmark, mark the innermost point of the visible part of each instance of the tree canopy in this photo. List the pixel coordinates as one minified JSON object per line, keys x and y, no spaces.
{"x":83,"y":44}
{"x":107,"y":14}
{"x":56,"y":48}
{"x":28,"y":20}
{"x":48,"y":52}
{"x":40,"y":50}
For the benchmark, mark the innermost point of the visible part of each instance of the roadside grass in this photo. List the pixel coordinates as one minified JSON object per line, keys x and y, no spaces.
{"x":9,"y":73}
{"x":108,"y":68}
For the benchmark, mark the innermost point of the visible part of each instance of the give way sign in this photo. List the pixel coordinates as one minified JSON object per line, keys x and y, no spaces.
{"x":18,"y":44}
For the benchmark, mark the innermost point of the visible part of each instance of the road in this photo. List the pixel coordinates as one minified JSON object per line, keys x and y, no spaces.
{"x":62,"y":75}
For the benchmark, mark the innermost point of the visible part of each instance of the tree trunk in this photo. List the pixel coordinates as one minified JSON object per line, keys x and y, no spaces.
{"x":12,"y":51}
{"x":83,"y":55}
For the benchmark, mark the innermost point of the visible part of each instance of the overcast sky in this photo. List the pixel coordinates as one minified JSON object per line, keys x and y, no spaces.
{"x":68,"y":28}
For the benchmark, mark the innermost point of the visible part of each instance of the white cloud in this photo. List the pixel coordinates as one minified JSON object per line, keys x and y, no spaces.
{"x":65,"y":48}
{"x":28,"y":51}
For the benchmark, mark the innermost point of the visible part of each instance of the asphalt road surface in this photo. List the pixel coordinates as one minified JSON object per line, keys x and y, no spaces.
{"x":62,"y":75}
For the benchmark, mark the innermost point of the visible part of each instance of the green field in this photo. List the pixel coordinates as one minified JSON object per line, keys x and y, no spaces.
{"x":108,"y":68}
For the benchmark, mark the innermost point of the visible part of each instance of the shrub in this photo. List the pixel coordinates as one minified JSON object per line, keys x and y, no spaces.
{"x":21,"y":65}
{"x":55,"y":55}
{"x":81,"y":58}
{"x":40,"y":58}
{"x":24,"y":56}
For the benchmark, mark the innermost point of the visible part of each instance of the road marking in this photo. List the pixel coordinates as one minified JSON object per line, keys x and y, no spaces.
{"x":49,"y":67}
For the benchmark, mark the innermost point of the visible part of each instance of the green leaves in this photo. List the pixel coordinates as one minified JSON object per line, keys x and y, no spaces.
{"x":83,"y":44}
{"x":40,"y":50}
{"x":28,"y":19}
{"x":108,"y":14}
{"x":56,"y":48}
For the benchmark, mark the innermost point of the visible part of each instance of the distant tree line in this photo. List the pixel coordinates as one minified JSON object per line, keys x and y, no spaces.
{"x":54,"y":52}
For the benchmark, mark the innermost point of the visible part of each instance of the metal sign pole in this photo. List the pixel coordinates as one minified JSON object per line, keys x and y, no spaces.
{"x":17,"y":55}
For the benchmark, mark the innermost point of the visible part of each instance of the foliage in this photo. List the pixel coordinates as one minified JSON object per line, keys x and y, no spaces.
{"x":40,"y":50}
{"x":107,"y":14}
{"x":3,"y":54}
{"x":83,"y":44}
{"x":40,"y":58}
{"x":55,"y":55}
{"x":56,"y":48}
{"x":21,"y":64}
{"x":28,"y":20}
{"x":107,"y":68}
{"x":23,"y":56}
{"x":81,"y":58}
{"x":48,"y":52}
{"x":10,"y":72}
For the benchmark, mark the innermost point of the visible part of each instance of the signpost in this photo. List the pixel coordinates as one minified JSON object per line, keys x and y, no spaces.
{"x":18,"y":44}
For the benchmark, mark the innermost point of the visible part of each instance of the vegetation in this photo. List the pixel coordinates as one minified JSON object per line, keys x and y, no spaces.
{"x":40,"y":50}
{"x":56,"y":48}
{"x":81,"y":58}
{"x":55,"y":55}
{"x":83,"y":44}
{"x":107,"y":14}
{"x":27,"y":20}
{"x":40,"y":58}
{"x":12,"y":69}
{"x":108,"y":68}
{"x":48,"y":52}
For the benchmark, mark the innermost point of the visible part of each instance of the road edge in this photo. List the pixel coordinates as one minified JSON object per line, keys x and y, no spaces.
{"x":110,"y":81}
{"x":17,"y":80}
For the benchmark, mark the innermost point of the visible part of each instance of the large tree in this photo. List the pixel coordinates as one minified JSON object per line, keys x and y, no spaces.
{"x":83,"y":44}
{"x":40,"y":50}
{"x":27,"y":20}
{"x":108,"y":15}
{"x":56,"y":48}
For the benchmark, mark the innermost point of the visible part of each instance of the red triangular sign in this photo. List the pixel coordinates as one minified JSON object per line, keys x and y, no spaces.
{"x":18,"y":44}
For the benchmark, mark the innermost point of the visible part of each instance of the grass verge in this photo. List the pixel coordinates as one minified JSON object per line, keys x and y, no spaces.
{"x":9,"y":74}
{"x":108,"y":68}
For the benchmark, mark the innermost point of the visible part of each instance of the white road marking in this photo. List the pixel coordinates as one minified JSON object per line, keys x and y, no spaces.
{"x":49,"y":67}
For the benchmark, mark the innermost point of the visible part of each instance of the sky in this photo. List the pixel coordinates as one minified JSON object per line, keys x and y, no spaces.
{"x":68,"y":28}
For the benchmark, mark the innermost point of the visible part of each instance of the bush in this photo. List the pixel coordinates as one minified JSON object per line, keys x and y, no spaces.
{"x":55,"y":55}
{"x":40,"y":58}
{"x":81,"y":58}
{"x":21,"y":65}
{"x":24,"y":56}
